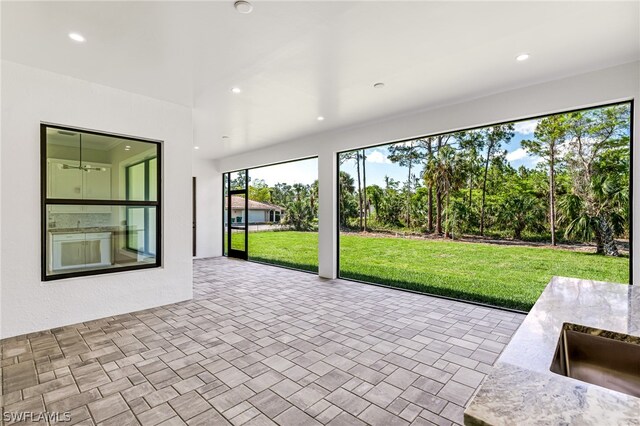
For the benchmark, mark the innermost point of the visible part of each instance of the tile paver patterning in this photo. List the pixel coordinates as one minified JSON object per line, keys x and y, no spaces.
{"x":262,"y":345}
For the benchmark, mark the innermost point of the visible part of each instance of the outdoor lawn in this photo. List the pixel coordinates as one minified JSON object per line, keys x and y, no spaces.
{"x":505,"y":276}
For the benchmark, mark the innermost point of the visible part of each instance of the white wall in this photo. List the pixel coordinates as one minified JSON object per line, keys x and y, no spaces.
{"x":594,"y":88}
{"x":30,"y":96}
{"x":208,"y":208}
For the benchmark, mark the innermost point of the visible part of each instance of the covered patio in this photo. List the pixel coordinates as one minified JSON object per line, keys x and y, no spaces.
{"x":263,"y":345}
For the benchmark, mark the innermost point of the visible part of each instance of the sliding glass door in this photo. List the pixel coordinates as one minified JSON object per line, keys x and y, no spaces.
{"x":236,"y":204}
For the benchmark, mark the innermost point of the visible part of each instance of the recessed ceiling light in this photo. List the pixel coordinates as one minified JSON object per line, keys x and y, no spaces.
{"x":196,"y":147}
{"x":522,"y":57}
{"x":225,"y":137}
{"x":236,"y":90}
{"x":243,"y":6}
{"x":378,"y":85}
{"x":320,"y":118}
{"x":77,"y":37}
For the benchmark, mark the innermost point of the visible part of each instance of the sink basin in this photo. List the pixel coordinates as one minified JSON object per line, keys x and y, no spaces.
{"x":603,"y":358}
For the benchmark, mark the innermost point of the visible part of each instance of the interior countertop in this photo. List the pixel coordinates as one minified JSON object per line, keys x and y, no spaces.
{"x":522,"y":390}
{"x":85,"y":230}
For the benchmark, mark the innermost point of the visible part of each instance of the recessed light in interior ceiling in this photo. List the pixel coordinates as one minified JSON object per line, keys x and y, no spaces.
{"x":225,"y":137}
{"x":320,"y":118}
{"x":66,"y":133}
{"x":236,"y":90}
{"x":77,"y":37}
{"x":378,"y":85}
{"x":196,"y":147}
{"x":522,"y":57}
{"x":243,"y":6}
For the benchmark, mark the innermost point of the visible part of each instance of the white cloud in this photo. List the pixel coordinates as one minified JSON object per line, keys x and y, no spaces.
{"x":522,"y":158}
{"x":526,"y":127}
{"x":536,"y":160}
{"x":378,"y":157}
{"x":518,"y":154}
{"x":303,"y":171}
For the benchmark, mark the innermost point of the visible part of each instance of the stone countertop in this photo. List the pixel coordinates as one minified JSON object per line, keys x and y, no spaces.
{"x":522,"y":390}
{"x":86,"y":230}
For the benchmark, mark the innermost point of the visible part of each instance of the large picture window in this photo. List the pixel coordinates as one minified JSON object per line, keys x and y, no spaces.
{"x":491,"y":214}
{"x":100,"y":203}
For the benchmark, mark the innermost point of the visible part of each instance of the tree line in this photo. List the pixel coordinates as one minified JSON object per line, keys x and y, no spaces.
{"x":300,"y":201}
{"x":461,"y":183}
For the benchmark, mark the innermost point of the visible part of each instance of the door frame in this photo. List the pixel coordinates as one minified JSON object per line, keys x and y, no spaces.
{"x":194,"y":217}
{"x":231,"y":252}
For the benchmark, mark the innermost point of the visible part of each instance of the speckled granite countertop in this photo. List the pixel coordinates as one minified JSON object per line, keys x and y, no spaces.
{"x":85,"y":230}
{"x":522,"y":390}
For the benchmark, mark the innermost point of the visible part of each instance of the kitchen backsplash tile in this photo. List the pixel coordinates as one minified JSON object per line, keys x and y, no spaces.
{"x":70,"y":220}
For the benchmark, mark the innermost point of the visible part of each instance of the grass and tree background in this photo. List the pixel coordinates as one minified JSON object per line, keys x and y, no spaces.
{"x":455,"y":217}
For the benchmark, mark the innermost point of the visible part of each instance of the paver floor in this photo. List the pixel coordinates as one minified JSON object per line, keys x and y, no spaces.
{"x":261,"y":345}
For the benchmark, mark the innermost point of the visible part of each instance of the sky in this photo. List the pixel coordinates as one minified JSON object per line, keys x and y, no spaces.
{"x":378,"y":165}
{"x":303,"y":171}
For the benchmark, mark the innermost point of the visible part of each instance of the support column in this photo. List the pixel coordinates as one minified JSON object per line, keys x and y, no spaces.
{"x":327,"y":215}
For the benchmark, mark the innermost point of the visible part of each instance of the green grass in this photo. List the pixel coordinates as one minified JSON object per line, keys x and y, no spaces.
{"x":507,"y":276}
{"x":287,"y":248}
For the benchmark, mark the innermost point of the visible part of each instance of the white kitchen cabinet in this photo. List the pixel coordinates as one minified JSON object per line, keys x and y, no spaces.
{"x":80,"y":250}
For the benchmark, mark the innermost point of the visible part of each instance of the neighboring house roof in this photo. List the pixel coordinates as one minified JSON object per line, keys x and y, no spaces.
{"x":238,"y":203}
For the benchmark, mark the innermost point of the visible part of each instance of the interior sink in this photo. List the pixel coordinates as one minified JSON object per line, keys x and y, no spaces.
{"x":603,"y":358}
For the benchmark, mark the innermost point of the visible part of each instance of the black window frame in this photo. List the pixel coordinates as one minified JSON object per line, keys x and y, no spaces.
{"x":46,"y":201}
{"x":629,"y":101}
{"x":226,"y":187}
{"x":127,"y":231}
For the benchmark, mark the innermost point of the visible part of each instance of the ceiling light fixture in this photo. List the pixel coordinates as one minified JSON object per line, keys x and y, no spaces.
{"x":320,"y":118}
{"x":77,"y":37}
{"x":196,"y":147}
{"x":522,"y":57}
{"x":243,"y":6}
{"x":236,"y":90}
{"x":225,"y":137}
{"x":378,"y":85}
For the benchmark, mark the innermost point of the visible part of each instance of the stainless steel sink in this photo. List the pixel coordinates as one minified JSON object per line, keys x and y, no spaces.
{"x":603,"y":358}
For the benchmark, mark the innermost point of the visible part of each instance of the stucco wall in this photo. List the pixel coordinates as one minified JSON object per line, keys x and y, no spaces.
{"x":31,"y":96}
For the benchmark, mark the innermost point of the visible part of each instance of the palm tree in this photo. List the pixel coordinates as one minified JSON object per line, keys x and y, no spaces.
{"x":375,"y":194}
{"x":346,"y":197}
{"x":601,"y":199}
{"x":443,"y":173}
{"x":598,"y":219}
{"x":522,"y":211}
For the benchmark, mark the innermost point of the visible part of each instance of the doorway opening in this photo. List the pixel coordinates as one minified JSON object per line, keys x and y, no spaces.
{"x":271,"y":214}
